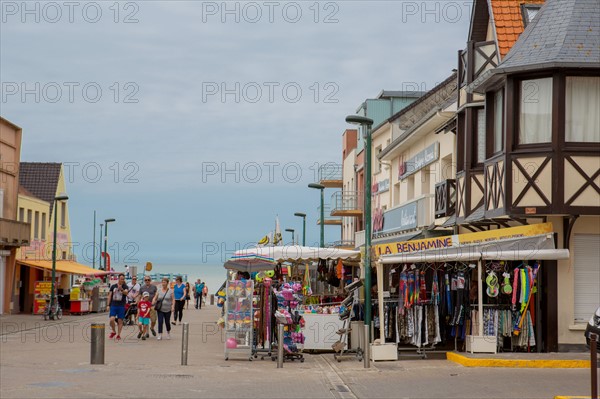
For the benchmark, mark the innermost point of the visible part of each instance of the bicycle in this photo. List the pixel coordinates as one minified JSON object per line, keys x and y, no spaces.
{"x":52,"y":312}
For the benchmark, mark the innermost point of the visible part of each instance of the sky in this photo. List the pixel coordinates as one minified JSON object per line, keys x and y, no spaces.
{"x":195,"y":123}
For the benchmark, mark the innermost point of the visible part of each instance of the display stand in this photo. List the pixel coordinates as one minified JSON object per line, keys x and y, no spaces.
{"x":288,"y":302}
{"x":238,"y":318}
{"x":342,"y":345}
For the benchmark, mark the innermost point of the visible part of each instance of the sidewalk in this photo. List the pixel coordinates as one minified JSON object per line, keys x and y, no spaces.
{"x":54,"y":361}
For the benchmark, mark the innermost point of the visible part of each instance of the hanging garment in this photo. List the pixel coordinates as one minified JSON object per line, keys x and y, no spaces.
{"x":515,"y":287}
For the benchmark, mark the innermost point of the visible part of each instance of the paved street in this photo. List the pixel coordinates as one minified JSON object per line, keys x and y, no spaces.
{"x":53,"y":362}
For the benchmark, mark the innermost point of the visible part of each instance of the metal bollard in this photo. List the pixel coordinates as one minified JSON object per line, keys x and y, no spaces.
{"x":97,"y":347}
{"x":279,"y":346}
{"x":185,"y":334}
{"x":594,"y":363}
{"x":367,"y":349}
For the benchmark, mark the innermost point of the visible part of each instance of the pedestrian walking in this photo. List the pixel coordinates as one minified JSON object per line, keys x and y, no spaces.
{"x":179,"y":292}
{"x":117,"y":297}
{"x":204,"y":293}
{"x":144,"y":307}
{"x":187,"y":295}
{"x":165,"y":304}
{"x":198,"y":288}
{"x":152,"y":291}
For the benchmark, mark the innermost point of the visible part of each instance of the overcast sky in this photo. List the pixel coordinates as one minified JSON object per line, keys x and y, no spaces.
{"x":195,"y":123}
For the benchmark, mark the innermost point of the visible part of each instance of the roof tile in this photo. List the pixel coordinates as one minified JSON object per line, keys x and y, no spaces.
{"x":508,"y":22}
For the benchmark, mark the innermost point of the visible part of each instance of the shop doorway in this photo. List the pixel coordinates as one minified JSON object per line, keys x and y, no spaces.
{"x":23,"y":284}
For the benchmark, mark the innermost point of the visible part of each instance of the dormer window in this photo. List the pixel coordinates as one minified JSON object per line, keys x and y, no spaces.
{"x":529,"y":11}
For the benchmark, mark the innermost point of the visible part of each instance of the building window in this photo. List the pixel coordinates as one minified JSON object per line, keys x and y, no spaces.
{"x":480,"y":139}
{"x":36,"y":226}
{"x":535,"y":111}
{"x":498,"y":121}
{"x":529,"y":11}
{"x":582,"y":105}
{"x":63,"y":214}
{"x":29,"y":216}
{"x":21,"y":214}
{"x":43,"y":235}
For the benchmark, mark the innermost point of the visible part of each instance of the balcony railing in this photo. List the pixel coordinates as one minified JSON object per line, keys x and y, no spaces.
{"x":343,"y":244}
{"x":329,"y":220}
{"x":330,"y":175}
{"x":346,"y":203}
{"x":445,"y":198}
{"x":14,"y":233}
{"x":475,"y":60}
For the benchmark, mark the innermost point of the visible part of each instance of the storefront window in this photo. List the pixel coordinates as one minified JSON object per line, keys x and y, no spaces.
{"x":498,"y":121}
{"x":582,"y":109}
{"x":535,"y":116}
{"x":481,"y":136}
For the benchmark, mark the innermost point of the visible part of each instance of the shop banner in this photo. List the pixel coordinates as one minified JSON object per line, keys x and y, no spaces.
{"x":462,"y":239}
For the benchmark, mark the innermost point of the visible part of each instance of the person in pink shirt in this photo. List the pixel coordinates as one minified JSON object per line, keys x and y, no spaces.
{"x":144,"y":308}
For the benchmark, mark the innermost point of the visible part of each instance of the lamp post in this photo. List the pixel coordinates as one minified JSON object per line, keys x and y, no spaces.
{"x":366,"y":124}
{"x":100,"y":245}
{"x":292,"y":231}
{"x":106,"y":222}
{"x":56,"y":199}
{"x":303,"y":216}
{"x":322,"y":220}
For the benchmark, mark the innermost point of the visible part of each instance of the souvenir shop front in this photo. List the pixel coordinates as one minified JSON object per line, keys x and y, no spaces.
{"x":477,"y":292}
{"x":271,"y":285}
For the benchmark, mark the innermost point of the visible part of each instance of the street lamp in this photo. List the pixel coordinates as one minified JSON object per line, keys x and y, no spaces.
{"x":322,"y":221}
{"x":292,"y":231}
{"x":366,"y":124}
{"x":100,"y":245}
{"x":106,"y":222}
{"x":56,"y":199}
{"x":303,"y":216}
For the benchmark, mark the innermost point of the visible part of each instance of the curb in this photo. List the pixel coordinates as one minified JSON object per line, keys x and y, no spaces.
{"x":518,"y":363}
{"x":572,"y":397}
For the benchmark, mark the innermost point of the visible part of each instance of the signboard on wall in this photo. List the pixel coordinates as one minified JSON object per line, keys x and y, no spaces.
{"x":462,"y":239}
{"x":419,"y":161}
{"x":401,"y":218}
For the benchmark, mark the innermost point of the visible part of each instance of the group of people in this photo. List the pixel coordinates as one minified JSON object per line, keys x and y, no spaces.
{"x":154,"y":303}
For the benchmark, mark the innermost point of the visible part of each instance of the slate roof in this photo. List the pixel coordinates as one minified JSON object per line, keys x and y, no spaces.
{"x":40,"y":179}
{"x":508,"y":22}
{"x":563,"y":34}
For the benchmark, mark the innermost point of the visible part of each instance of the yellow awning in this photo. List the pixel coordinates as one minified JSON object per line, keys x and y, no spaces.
{"x":62,"y":266}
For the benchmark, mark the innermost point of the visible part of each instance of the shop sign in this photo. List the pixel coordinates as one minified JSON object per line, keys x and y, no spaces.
{"x":41,"y":292}
{"x":503,"y":234}
{"x":419,"y":161}
{"x":401,"y":218}
{"x":463,"y":239}
{"x":379,"y":187}
{"x":413,"y":246}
